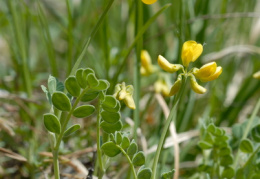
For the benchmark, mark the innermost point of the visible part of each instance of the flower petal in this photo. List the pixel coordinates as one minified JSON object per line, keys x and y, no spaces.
{"x":129,"y":101}
{"x":196,"y":87}
{"x":191,"y":51}
{"x":213,"y":76}
{"x":165,"y":65}
{"x":175,"y":87}
{"x":206,"y":70}
{"x":257,"y":75}
{"x":149,"y":1}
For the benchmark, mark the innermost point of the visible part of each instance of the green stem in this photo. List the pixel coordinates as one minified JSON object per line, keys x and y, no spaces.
{"x":171,"y":116}
{"x":137,"y":66}
{"x":92,"y":34}
{"x":99,"y":153}
{"x":248,"y":127}
{"x":129,"y":161}
{"x":55,"y":154}
{"x":63,"y":129}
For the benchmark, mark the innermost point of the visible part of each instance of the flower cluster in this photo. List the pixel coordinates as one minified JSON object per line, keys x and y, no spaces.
{"x":125,"y":93}
{"x":191,"y":50}
{"x":149,"y":1}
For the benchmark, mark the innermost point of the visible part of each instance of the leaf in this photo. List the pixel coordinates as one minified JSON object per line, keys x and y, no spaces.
{"x":83,"y":111}
{"x":109,"y":101}
{"x":81,"y":81}
{"x":246,"y":146}
{"x":255,"y":133}
{"x":228,"y":172}
{"x":109,"y":109}
{"x":47,"y":93}
{"x":225,"y":151}
{"x":226,"y":160}
{"x":205,"y":145}
{"x":61,"y":101}
{"x":103,"y":85}
{"x":144,"y":173}
{"x":211,"y":128}
{"x":132,"y":149}
{"x":111,"y":128}
{"x":92,"y":80}
{"x":51,"y":84}
{"x":110,"y":149}
{"x":118,"y":138}
{"x":168,"y":175}
{"x":139,"y":159}
{"x":89,"y":96}
{"x":71,"y":130}
{"x":72,"y":86}
{"x":86,"y":72}
{"x":60,"y":86}
{"x":125,"y":142}
{"x":52,"y":123}
{"x":110,"y":117}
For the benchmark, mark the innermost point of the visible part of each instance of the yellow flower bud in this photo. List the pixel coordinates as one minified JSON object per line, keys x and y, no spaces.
{"x":147,"y":67}
{"x":191,"y":50}
{"x":176,"y":86}
{"x":165,"y":65}
{"x":125,"y":93}
{"x":129,"y":101}
{"x":257,"y":75}
{"x":208,"y":72}
{"x":196,"y":87}
{"x":160,"y":86}
{"x":149,"y":1}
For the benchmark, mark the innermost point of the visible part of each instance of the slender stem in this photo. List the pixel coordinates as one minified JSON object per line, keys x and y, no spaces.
{"x":55,"y":154}
{"x":248,"y":127}
{"x":63,"y":129}
{"x":137,"y":66}
{"x":92,"y":34}
{"x":129,"y":161}
{"x":99,"y":153}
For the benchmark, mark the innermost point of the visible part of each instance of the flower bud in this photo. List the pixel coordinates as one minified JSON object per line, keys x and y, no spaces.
{"x":149,"y":1}
{"x":191,"y":50}
{"x":147,"y":67}
{"x":160,"y":86}
{"x":165,"y":65}
{"x":196,"y":87}
{"x":257,"y":75}
{"x":208,"y":72}
{"x":129,"y":101}
{"x":176,"y":86}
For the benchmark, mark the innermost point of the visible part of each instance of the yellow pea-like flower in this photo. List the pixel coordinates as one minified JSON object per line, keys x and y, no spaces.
{"x":191,"y":51}
{"x":196,"y":87}
{"x":149,"y":1}
{"x":160,"y":86}
{"x":165,"y":65}
{"x":176,"y":87}
{"x":257,"y":75}
{"x":129,"y":101}
{"x":208,"y":72}
{"x":147,"y":67}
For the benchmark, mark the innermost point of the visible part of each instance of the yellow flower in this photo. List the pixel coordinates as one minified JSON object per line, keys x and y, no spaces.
{"x":176,"y":86}
{"x":165,"y":65}
{"x":125,"y":93}
{"x":257,"y":75}
{"x":149,"y":1}
{"x":160,"y":86}
{"x":196,"y":87}
{"x":208,"y":72}
{"x":147,"y":68}
{"x":191,"y":50}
